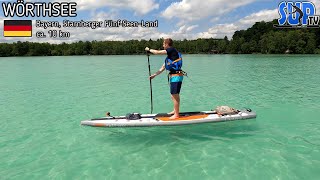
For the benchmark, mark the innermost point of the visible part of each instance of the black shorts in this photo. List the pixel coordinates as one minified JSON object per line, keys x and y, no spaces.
{"x":175,"y":87}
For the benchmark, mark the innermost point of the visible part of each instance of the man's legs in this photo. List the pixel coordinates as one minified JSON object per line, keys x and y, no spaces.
{"x":175,"y":88}
{"x":176,"y":105}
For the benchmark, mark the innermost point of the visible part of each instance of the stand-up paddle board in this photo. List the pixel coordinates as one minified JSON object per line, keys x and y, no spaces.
{"x":162,"y":119}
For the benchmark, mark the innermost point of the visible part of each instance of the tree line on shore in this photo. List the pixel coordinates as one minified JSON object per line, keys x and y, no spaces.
{"x":262,"y":38}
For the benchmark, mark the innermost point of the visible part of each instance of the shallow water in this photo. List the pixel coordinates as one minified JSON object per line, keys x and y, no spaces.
{"x":43,"y":100}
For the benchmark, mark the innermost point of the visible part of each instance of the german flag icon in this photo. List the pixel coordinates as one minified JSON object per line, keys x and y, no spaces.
{"x":17,"y":28}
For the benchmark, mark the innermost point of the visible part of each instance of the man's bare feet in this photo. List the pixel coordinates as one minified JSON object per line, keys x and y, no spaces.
{"x":171,"y":113}
{"x":174,"y":117}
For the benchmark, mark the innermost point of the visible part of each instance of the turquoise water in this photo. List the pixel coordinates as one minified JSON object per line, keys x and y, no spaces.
{"x":43,"y":100}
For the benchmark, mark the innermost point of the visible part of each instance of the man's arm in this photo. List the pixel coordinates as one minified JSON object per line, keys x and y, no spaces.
{"x":158,"y":72}
{"x":158,"y":51}
{"x":153,"y":51}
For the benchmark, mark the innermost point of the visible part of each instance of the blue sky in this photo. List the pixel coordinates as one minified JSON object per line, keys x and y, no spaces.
{"x":186,"y":19}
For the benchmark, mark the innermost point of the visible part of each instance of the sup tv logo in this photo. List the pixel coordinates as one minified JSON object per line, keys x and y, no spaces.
{"x":297,"y":15}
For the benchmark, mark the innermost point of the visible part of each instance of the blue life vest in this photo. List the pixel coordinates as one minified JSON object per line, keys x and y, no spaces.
{"x":174,"y":65}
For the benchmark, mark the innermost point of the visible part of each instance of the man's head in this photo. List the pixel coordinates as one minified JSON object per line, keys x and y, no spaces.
{"x":167,"y":43}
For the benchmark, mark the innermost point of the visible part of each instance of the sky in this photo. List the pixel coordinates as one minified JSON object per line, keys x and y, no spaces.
{"x":186,"y":19}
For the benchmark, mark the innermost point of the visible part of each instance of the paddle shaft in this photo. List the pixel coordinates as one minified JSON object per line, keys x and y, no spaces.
{"x":150,"y":83}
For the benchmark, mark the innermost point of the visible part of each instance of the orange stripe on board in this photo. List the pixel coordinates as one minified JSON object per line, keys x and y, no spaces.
{"x":99,"y":125}
{"x":195,"y":117}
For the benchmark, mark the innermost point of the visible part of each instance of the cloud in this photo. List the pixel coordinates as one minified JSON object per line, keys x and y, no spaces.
{"x":221,"y":30}
{"x":194,"y":10}
{"x":185,"y":29}
{"x":215,"y":19}
{"x":102,"y":15}
{"x":263,"y":15}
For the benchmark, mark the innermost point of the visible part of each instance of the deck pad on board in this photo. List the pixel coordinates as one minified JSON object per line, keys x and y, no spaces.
{"x":183,"y":118}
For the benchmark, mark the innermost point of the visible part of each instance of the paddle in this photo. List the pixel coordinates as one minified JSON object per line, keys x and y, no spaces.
{"x":148,"y":54}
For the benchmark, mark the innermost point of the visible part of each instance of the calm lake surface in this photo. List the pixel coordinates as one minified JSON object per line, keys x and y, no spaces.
{"x":43,"y":100}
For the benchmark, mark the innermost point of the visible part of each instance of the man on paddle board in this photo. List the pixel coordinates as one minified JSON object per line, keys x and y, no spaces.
{"x":173,"y":64}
